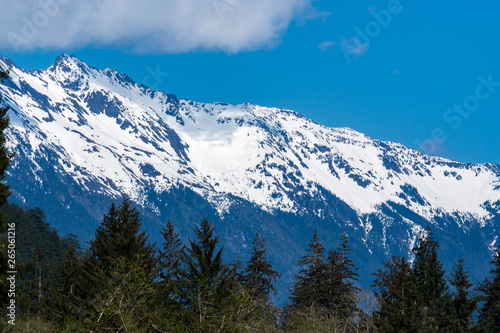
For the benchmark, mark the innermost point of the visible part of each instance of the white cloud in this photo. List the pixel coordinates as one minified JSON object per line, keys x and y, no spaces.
{"x":148,"y":25}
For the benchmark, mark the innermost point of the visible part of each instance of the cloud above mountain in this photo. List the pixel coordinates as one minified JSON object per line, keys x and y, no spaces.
{"x":162,"y":26}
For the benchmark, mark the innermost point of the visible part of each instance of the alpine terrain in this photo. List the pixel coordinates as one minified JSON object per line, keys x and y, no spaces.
{"x":86,"y":137}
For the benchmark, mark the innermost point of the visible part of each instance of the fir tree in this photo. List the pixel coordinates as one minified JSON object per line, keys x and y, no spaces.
{"x":463,"y":305}
{"x":259,"y":275}
{"x":489,"y":313}
{"x":70,"y":269}
{"x":119,"y":266}
{"x":170,"y":260}
{"x":340,"y":291}
{"x":68,"y":293}
{"x":170,"y":313}
{"x":308,"y":288}
{"x":207,"y":282}
{"x":119,"y":236}
{"x":398,"y":310}
{"x":431,"y":284}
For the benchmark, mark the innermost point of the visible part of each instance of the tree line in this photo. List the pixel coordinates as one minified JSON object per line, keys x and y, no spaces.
{"x":122,"y":283}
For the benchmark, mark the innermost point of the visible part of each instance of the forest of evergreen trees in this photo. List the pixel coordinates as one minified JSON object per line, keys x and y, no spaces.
{"x":121,"y":282}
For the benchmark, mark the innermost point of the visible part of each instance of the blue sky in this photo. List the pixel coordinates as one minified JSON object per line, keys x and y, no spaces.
{"x":419,"y":73}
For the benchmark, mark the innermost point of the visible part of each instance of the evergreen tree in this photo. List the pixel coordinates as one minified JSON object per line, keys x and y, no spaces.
{"x":308,"y":288}
{"x":170,"y":260}
{"x":259,"y":275}
{"x":170,"y":312}
{"x":36,"y":279}
{"x":489,"y":313}
{"x":397,"y":295}
{"x":207,"y":282}
{"x":68,"y":294}
{"x":463,"y":305}
{"x":431,"y":284}
{"x":118,"y":269}
{"x":119,"y":236}
{"x":340,"y":291}
{"x":70,"y":268}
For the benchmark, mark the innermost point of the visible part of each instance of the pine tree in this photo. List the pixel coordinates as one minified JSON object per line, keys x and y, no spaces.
{"x":119,"y":236}
{"x":170,"y":312}
{"x":259,"y":275}
{"x":115,"y":291}
{"x":68,"y":294}
{"x":308,"y":287}
{"x":36,"y":279}
{"x":489,"y":313}
{"x":340,"y":292}
{"x":431,"y":284}
{"x":207,"y":282}
{"x":170,"y":260}
{"x":71,"y":266}
{"x":397,"y":295}
{"x":463,"y":305}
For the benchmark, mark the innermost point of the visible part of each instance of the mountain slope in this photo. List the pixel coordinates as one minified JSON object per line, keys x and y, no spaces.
{"x":85,"y":137}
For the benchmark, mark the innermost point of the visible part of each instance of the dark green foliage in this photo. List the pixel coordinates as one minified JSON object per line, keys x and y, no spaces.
{"x":463,"y":304}
{"x":112,"y":289}
{"x":489,"y":313}
{"x":259,"y":274}
{"x":69,"y":282}
{"x":399,"y":307}
{"x":340,"y":291}
{"x":170,"y":261}
{"x":33,"y":232}
{"x":327,"y":283}
{"x":39,"y":250}
{"x":119,"y":236}
{"x":206,"y":281}
{"x":307,"y":289}
{"x":415,"y":299}
{"x":70,"y":269}
{"x":431,"y":284}
{"x":4,"y":75}
{"x":324,"y":296}
{"x":170,"y":312}
{"x":37,"y":276}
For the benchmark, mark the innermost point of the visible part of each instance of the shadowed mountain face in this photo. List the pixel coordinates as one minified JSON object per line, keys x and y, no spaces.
{"x":86,"y":137}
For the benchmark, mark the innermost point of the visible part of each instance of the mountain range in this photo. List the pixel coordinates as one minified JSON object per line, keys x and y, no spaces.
{"x":86,"y":137}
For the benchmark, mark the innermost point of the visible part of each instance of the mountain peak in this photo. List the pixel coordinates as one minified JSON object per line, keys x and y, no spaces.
{"x":69,"y":63}
{"x":63,"y":58}
{"x":6,"y":63}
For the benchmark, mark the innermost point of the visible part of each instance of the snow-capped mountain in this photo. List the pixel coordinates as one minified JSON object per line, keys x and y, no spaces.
{"x":85,"y":136}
